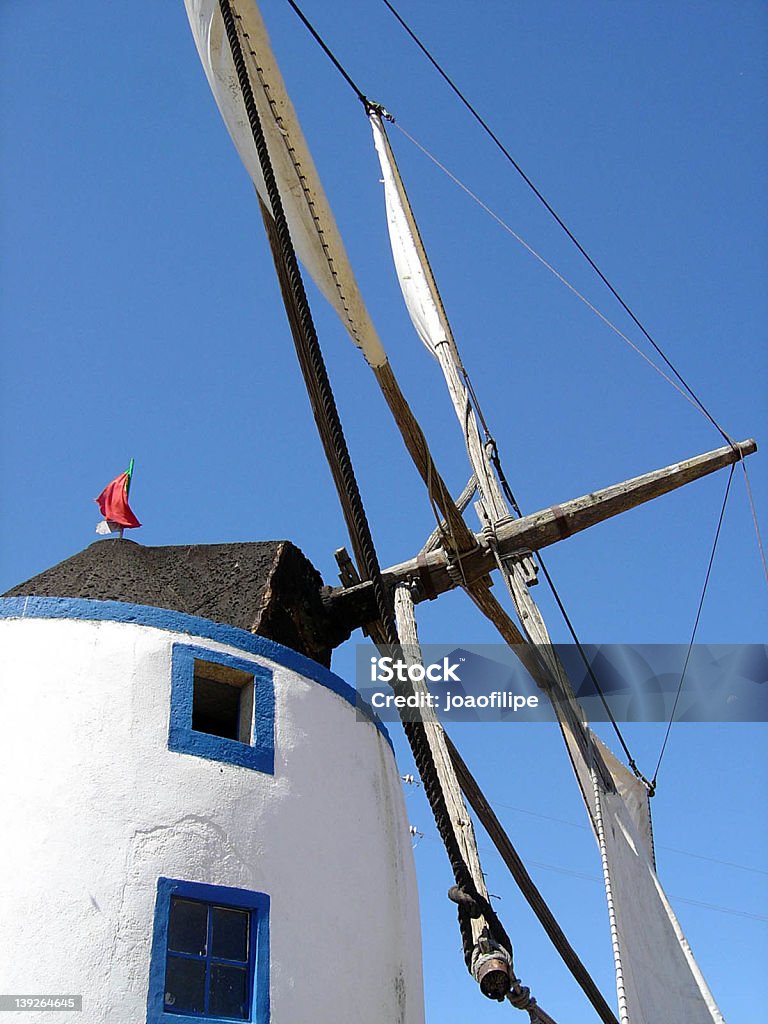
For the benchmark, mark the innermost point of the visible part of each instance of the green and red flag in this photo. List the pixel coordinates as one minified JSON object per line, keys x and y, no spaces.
{"x":113,"y":503}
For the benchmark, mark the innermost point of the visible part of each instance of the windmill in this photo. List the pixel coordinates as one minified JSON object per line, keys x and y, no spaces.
{"x":108,"y":683}
{"x":251,"y":96}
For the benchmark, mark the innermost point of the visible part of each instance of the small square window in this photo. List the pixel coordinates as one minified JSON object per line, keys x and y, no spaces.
{"x":222,"y":708}
{"x":222,"y":701}
{"x":210,"y":954}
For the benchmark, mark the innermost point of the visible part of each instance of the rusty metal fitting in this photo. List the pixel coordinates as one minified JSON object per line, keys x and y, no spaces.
{"x":492,"y":972}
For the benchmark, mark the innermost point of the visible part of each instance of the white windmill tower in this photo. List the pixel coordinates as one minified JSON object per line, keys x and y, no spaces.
{"x":205,"y":826}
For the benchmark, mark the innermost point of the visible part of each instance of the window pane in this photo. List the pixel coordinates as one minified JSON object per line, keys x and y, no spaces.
{"x":188,"y":926}
{"x":229,"y":938}
{"x":184,"y":985}
{"x":229,"y":992}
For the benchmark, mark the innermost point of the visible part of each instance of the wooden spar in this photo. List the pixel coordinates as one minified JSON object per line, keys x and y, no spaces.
{"x":461,"y":537}
{"x":457,"y":811}
{"x":560,"y":521}
{"x":540,"y":529}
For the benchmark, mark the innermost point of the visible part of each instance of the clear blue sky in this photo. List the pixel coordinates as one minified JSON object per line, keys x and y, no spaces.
{"x":140,"y":317}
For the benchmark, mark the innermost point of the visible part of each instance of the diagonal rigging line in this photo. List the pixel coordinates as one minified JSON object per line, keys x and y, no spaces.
{"x":587,"y":664}
{"x":551,"y":210}
{"x":496,"y":459}
{"x":553,"y":270}
{"x":685,"y":391}
{"x":591,"y":672}
{"x":588,"y":877}
{"x":695,"y":626}
{"x":753,"y":510}
{"x":328,"y":52}
{"x":659,"y":846}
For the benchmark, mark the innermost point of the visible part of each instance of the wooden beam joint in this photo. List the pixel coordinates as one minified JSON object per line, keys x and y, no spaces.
{"x":434,"y":574}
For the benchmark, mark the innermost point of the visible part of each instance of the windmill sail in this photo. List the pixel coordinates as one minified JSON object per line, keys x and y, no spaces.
{"x":312,"y":225}
{"x":657,"y":978}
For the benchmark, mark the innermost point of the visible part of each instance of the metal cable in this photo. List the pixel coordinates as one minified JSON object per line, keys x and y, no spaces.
{"x":695,"y":627}
{"x":591,"y":672}
{"x":496,"y":460}
{"x":329,"y":53}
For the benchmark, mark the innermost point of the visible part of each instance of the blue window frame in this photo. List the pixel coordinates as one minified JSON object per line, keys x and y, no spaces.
{"x":210,"y":954}
{"x":222,"y":708}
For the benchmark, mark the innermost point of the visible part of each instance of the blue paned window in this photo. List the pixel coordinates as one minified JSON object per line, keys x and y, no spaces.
{"x":210,"y":954}
{"x":222,"y":708}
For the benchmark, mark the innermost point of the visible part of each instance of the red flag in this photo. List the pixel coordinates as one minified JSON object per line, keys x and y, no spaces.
{"x":113,"y":502}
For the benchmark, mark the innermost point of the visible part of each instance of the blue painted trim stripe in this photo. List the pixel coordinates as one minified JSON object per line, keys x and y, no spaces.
{"x":179,"y":622}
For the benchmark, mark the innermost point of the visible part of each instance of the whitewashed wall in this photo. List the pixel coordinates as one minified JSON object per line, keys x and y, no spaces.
{"x":96,"y":808}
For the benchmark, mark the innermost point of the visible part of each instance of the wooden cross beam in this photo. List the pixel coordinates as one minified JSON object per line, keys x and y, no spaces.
{"x":354,"y":605}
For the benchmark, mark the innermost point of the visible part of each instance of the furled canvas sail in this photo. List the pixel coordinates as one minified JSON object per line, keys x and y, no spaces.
{"x":425,"y":308}
{"x":313,"y":228}
{"x":422,"y":299}
{"x":657,"y":977}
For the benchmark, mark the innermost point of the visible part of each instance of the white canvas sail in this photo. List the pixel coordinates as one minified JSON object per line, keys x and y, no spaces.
{"x":422,"y":299}
{"x":312,"y":225}
{"x":657,"y":978}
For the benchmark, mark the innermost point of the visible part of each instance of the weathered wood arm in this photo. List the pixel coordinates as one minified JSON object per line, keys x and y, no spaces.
{"x":354,"y":606}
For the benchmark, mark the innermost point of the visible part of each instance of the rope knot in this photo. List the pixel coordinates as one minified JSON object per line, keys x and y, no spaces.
{"x":371,"y":107}
{"x":464,"y":900}
{"x":455,"y":572}
{"x":520,"y":997}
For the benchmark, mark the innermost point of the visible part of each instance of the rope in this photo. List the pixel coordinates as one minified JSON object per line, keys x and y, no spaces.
{"x":591,"y":672}
{"x":550,"y":209}
{"x":538,"y":1016}
{"x":695,"y":628}
{"x":435,"y":539}
{"x":316,"y":376}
